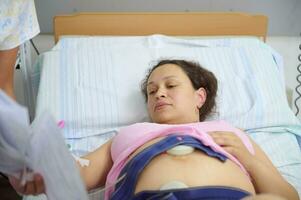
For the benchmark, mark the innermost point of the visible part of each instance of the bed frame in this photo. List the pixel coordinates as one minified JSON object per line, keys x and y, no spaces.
{"x":172,"y":23}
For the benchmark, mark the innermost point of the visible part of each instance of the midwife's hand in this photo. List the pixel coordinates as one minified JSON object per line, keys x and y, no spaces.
{"x":34,"y":187}
{"x":233,"y":145}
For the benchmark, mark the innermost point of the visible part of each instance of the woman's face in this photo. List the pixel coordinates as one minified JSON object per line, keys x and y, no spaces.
{"x":171,"y":96}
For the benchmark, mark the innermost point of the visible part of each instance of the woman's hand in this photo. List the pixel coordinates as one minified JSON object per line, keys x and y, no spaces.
{"x":260,"y":168}
{"x":34,"y":187}
{"x":233,"y":145}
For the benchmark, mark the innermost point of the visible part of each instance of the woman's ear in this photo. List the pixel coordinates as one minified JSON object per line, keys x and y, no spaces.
{"x":201,"y":97}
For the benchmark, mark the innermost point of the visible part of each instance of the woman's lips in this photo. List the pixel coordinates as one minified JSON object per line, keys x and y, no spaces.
{"x":160,"y":105}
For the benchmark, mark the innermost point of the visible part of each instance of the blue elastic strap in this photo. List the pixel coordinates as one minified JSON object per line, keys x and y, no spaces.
{"x":196,"y":193}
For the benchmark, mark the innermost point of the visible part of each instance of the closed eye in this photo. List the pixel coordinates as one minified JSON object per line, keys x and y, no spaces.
{"x":171,"y":86}
{"x":151,"y":92}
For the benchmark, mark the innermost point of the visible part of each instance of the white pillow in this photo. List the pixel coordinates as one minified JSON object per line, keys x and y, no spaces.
{"x":100,"y":80}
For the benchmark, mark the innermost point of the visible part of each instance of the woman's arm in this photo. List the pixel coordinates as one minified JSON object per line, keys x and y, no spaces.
{"x":265,"y":176}
{"x":101,"y":162}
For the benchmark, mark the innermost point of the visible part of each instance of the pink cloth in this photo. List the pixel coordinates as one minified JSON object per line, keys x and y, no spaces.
{"x":132,"y":137}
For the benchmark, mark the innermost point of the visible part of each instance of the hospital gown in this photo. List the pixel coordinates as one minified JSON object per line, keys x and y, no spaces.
{"x":18,"y":22}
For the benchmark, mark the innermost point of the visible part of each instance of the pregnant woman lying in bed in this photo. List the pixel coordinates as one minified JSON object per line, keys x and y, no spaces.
{"x":179,"y":156}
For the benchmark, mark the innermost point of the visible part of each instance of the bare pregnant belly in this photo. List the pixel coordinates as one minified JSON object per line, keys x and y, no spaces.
{"x":195,"y":169}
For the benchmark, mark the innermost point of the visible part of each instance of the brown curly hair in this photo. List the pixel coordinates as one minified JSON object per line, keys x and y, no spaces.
{"x":199,"y":77}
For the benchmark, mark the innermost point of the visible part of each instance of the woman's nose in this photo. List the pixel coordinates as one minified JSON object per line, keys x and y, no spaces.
{"x":160,"y":93}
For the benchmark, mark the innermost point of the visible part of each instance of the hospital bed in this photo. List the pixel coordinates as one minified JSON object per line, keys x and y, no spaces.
{"x":90,"y":80}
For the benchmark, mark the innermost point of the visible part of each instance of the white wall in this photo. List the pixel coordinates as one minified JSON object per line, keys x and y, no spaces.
{"x":284,"y":15}
{"x":288,"y":47}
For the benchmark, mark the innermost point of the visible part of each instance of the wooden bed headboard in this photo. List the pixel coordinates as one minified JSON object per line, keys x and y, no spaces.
{"x":171,"y":23}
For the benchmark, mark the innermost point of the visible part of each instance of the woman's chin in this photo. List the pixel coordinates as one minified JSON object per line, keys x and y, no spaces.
{"x":164,"y":120}
{"x":167,"y":121}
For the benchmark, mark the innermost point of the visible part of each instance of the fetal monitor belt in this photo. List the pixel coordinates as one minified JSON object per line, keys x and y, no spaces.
{"x":180,"y":150}
{"x":173,"y":185}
